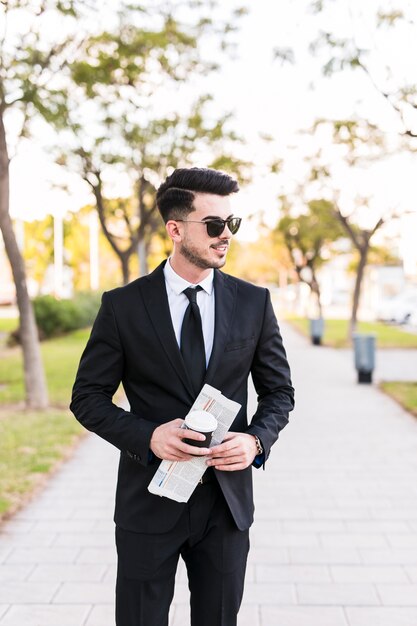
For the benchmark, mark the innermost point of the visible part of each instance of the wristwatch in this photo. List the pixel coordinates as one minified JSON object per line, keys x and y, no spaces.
{"x":259,"y":447}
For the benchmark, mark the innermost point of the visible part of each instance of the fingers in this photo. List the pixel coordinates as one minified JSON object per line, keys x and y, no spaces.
{"x":235,"y":453}
{"x":186,"y":433}
{"x":167,"y":442}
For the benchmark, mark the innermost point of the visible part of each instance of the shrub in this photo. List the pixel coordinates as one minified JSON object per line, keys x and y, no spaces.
{"x":56,"y":317}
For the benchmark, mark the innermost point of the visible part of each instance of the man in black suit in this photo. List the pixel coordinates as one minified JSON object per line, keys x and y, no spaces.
{"x":139,"y":338}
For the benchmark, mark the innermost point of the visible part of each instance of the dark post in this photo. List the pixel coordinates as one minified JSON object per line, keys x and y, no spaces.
{"x":364,"y":349}
{"x":316,"y":331}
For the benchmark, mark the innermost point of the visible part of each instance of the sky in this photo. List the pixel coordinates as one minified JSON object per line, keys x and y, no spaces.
{"x":266,"y":98}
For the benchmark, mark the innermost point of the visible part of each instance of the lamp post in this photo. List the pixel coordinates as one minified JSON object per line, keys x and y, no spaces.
{"x":58,"y":254}
{"x":94,"y":251}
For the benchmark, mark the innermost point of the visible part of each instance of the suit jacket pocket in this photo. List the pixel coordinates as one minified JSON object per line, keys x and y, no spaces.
{"x":240,"y":344}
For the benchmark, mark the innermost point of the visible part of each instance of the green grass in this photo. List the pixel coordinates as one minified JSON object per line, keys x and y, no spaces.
{"x":335,"y":333}
{"x":31,"y":445}
{"x":7,"y":324}
{"x":403,"y":392}
{"x":60,"y":356}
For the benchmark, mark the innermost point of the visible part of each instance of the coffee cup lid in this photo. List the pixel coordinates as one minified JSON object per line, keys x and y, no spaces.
{"x":201,"y":421}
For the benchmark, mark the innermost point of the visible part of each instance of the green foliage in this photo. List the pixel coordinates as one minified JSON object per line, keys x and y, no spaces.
{"x":309,"y":235}
{"x":56,"y":317}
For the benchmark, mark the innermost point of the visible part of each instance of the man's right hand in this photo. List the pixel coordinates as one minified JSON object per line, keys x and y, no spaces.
{"x":167,"y":442}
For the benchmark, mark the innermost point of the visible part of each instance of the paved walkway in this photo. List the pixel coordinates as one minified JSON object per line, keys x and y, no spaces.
{"x":335,"y":537}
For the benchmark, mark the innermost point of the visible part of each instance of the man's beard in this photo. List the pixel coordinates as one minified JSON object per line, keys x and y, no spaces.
{"x":196,"y":259}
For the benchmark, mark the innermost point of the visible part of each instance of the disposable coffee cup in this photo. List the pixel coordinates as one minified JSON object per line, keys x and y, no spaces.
{"x":201,"y":422}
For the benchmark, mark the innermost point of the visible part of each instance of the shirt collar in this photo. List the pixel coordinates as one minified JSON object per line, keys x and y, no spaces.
{"x":178,"y":284}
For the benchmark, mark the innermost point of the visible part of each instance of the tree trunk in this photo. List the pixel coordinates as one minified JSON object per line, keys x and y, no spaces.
{"x":363,"y":252}
{"x":315,"y":288}
{"x":36,"y":396}
{"x":143,"y":257}
{"x":124,"y":260}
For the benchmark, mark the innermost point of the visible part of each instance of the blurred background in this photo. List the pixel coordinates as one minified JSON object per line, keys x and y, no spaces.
{"x":311,"y":104}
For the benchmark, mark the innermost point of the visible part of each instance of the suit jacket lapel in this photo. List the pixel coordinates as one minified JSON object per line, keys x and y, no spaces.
{"x":156,"y":303}
{"x":225,"y":300}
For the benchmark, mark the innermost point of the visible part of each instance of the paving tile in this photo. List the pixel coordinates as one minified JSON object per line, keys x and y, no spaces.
{"x":398,"y":595}
{"x":32,"y":539}
{"x":269,"y":593}
{"x":3,"y":609}
{"x":316,"y":525}
{"x":402,"y":540}
{"x":96,"y":555}
{"x":411,"y":573}
{"x":368,"y":573}
{"x":14,"y":572}
{"x":388,"y":556}
{"x":85,"y":593}
{"x":43,"y":555}
{"x":65,"y":526}
{"x":181,"y":592}
{"x":260,"y":540}
{"x":249,"y":615}
{"x":281,"y":513}
{"x":103,"y":525}
{"x":395,"y":513}
{"x":18,"y":526}
{"x":302,"y":616}
{"x":367,"y":616}
{"x":377,"y":526}
{"x":324,"y":555}
{"x":110,"y":574}
{"x":337,"y":594}
{"x":342,"y":513}
{"x":265,"y":555}
{"x":39,"y":512}
{"x":27,"y":592}
{"x":368,"y":540}
{"x":79,"y":572}
{"x":4,"y":553}
{"x":93,"y":514}
{"x":179,"y":615}
{"x":291,"y":573}
{"x":45,"y":615}
{"x":101,"y":615}
{"x":83,"y":539}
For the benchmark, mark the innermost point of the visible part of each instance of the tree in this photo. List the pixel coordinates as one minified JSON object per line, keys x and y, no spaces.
{"x":365,"y":44}
{"x":29,"y":65}
{"x":123,"y":76}
{"x":309,"y":237}
{"x":129,"y":223}
{"x":353,"y":39}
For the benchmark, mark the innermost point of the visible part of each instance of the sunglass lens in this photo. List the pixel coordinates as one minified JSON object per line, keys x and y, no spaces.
{"x":234,"y":224}
{"x":215,"y":228}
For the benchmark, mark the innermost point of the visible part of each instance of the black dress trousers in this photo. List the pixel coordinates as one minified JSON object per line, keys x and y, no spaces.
{"x":215,"y":553}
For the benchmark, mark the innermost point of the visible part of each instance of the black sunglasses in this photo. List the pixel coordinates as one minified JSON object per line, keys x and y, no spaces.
{"x":216,"y":226}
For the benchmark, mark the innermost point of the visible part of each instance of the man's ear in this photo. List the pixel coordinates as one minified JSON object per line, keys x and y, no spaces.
{"x":174,"y":231}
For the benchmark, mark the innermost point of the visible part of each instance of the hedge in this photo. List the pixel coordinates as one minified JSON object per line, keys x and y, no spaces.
{"x":57,"y":317}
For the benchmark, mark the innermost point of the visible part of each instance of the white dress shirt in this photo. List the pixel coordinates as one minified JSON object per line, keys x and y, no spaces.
{"x":178,"y":303}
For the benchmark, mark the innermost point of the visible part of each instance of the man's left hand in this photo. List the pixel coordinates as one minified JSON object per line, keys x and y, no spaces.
{"x":236,"y":452}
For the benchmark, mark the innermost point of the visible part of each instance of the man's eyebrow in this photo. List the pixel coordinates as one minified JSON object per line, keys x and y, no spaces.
{"x":216,"y":217}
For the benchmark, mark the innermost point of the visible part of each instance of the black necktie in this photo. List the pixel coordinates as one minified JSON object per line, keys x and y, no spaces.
{"x":192,"y":340}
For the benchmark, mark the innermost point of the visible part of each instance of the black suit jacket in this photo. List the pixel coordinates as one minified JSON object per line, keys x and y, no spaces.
{"x":133,"y":342}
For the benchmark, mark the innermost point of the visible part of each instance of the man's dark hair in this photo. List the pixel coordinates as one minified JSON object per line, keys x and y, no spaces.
{"x":176,"y":195}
